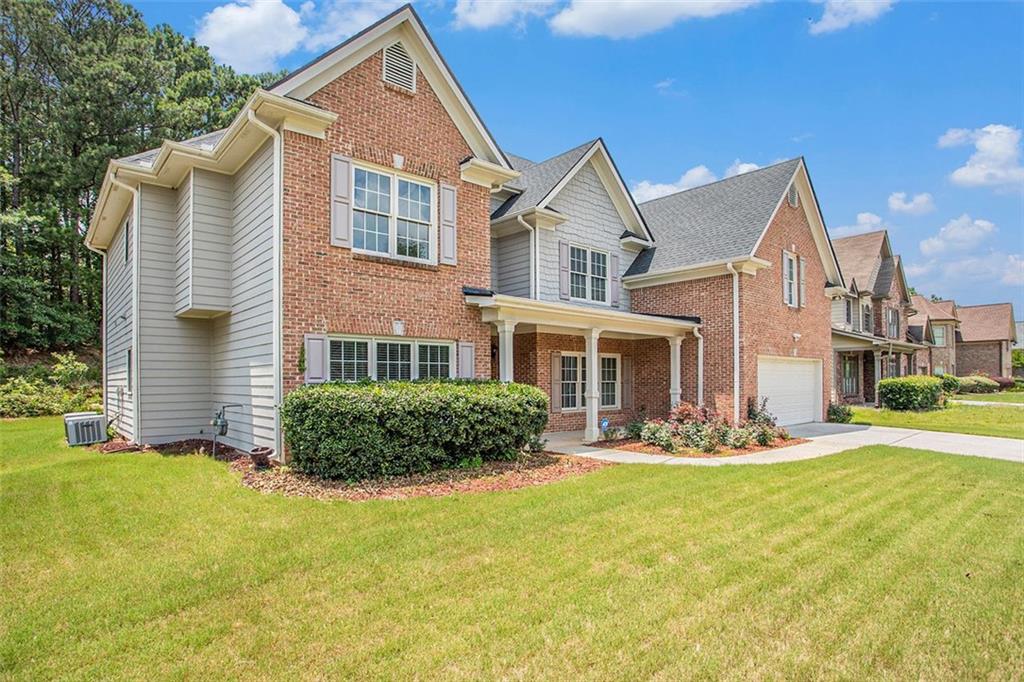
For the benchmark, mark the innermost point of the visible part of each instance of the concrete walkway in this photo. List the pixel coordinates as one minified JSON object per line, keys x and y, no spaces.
{"x":987,"y":403}
{"x":825,"y":439}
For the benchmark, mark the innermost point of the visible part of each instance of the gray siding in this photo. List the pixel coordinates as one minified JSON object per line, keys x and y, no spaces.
{"x":510,"y":262}
{"x":183,"y":248}
{"x":211,"y":240}
{"x":592,"y":222}
{"x":174,"y":356}
{"x":242,"y":351}
{"x":117,"y":332}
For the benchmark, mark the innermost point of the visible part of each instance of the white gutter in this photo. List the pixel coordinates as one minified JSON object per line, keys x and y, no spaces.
{"x":534,"y":258}
{"x":700,"y":366}
{"x":735,"y":342}
{"x":136,"y":283}
{"x":278,"y":313}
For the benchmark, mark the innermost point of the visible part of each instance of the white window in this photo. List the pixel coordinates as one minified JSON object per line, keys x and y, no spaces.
{"x":574,"y":381}
{"x":588,"y":275}
{"x":939,"y":370}
{"x":789,"y":278}
{"x":392,"y":216}
{"x":849,"y":311}
{"x":939,"y":332}
{"x":893,"y":320}
{"x":356,"y":359}
{"x":866,"y":313}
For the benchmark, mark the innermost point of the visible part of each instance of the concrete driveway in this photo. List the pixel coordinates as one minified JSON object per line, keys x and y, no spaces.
{"x":825,"y":439}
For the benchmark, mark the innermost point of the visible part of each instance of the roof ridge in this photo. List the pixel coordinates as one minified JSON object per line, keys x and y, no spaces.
{"x":985,"y":305}
{"x":862,"y":234}
{"x":715,"y":182}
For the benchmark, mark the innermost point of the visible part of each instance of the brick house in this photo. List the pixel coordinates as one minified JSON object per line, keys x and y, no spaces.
{"x":935,"y":325}
{"x":988,"y":333}
{"x":871,"y":333}
{"x":357,"y":220}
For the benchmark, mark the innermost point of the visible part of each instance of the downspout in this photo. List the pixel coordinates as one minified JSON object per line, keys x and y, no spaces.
{"x":700,"y":366}
{"x":735,"y":342}
{"x":103,"y":328}
{"x":534,"y":258}
{"x":136,"y":282}
{"x":278,"y":313}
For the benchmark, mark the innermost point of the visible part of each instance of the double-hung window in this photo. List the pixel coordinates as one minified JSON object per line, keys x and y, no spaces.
{"x":574,"y":381}
{"x":392,"y":215}
{"x":355,"y":359}
{"x":939,"y":333}
{"x":893,"y":329}
{"x":588,"y":275}
{"x":789,"y":279}
{"x":866,"y":314}
{"x":849,"y":311}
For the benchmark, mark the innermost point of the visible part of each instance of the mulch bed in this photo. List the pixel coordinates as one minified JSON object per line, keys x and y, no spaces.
{"x":636,"y":445}
{"x":530,"y":470}
{"x":191,"y":446}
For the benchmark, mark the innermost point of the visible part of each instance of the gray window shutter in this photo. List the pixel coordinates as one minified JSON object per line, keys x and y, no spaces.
{"x":467,"y":360}
{"x":627,"y":383}
{"x":341,"y":201}
{"x":563,"y":270}
{"x":448,"y":250}
{"x":803,"y":281}
{"x":556,"y":382}
{"x":615,"y":279}
{"x":317,"y":362}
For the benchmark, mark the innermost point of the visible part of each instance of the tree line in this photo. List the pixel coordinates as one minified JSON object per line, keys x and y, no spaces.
{"x":83,"y":81}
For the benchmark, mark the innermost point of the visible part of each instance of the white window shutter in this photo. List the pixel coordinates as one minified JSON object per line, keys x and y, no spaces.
{"x":563,"y":270}
{"x":627,"y":383}
{"x":803,"y":282}
{"x":615,"y":279}
{"x":467,"y":360}
{"x":449,"y":236}
{"x":341,"y":201}
{"x":317,"y":363}
{"x":785,"y":277}
{"x":556,"y":382}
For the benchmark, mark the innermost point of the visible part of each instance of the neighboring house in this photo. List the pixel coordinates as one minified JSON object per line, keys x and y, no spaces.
{"x":358,"y":221}
{"x":870,"y":320}
{"x":988,"y":333}
{"x":935,"y":325}
{"x":1018,"y":342}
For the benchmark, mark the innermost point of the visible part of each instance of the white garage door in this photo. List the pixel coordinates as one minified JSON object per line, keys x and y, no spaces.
{"x":793,"y":388}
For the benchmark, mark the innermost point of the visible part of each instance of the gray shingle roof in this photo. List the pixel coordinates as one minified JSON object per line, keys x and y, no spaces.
{"x":713,"y":222}
{"x":206,"y":142}
{"x":538,"y":179}
{"x":860,"y":257}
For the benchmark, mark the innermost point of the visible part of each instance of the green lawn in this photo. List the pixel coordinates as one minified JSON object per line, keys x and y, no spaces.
{"x":974,"y":419}
{"x":1003,"y":397}
{"x":878,"y":562}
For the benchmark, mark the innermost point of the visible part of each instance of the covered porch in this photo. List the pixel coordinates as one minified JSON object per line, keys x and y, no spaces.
{"x":862,"y":360}
{"x":596,"y":364}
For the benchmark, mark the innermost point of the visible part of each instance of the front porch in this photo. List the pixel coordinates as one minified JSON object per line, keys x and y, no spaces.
{"x":862,"y":360}
{"x":594,"y":363}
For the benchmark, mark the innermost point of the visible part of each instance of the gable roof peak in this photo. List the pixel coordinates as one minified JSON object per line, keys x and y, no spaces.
{"x":795,"y":160}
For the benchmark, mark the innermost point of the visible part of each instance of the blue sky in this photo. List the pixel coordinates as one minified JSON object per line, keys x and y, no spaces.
{"x":882,"y":98}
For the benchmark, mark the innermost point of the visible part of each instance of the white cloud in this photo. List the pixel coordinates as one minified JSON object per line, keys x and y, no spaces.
{"x":489,"y":13}
{"x":251,"y":35}
{"x":665,"y":84}
{"x":633,"y":18}
{"x":996,"y":158}
{"x":840,"y":14}
{"x":960,"y":234}
{"x":866,"y":222}
{"x":696,"y":176}
{"x":336,"y":20}
{"x":995,"y":266}
{"x":739,"y":167}
{"x":918,"y":205}
{"x":1013,"y":274}
{"x":918,"y":269}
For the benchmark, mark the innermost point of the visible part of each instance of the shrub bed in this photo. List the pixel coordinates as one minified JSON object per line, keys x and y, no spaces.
{"x":978,"y":384}
{"x":839,"y":414}
{"x":67,"y":385}
{"x":910,"y":393}
{"x":371,"y":430}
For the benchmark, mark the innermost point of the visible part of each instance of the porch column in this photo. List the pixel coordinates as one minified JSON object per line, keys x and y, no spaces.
{"x":675,"y":343}
{"x":505,"y":342}
{"x":878,"y":373}
{"x":593,"y":431}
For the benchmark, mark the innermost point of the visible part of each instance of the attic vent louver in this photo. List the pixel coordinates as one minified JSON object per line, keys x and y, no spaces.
{"x":399,"y":68}
{"x":793,"y":196}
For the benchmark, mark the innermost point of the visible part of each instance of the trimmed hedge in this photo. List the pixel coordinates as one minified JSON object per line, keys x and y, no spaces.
{"x":950,"y":384}
{"x":368,"y":430}
{"x":910,"y":393}
{"x":977,"y":384}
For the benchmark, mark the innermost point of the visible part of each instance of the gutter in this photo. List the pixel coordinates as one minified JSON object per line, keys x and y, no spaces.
{"x":700,"y":366}
{"x":136,"y":283}
{"x":534,"y":257}
{"x":735,"y":342}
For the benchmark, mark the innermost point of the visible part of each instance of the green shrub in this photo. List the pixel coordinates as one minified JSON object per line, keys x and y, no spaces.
{"x":839,"y":414}
{"x":950,"y":384}
{"x":20,"y":397}
{"x":1005,"y":383}
{"x":758,"y":413}
{"x":916,"y":392}
{"x":367,"y":430}
{"x":977,"y":384}
{"x":740,"y":439}
{"x":700,"y":436}
{"x":68,"y":371}
{"x":657,"y":432}
{"x":764,"y":434}
{"x":634,"y":429}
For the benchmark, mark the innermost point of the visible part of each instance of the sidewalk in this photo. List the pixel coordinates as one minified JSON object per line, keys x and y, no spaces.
{"x":825,"y":439}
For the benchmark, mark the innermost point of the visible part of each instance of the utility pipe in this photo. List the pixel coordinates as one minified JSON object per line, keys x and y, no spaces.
{"x":136,"y":281}
{"x":735,"y":342}
{"x":700,"y":366}
{"x":534,"y":258}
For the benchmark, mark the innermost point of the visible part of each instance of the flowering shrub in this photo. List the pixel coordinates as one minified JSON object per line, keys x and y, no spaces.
{"x":657,"y":432}
{"x":688,"y":413}
{"x":978,"y":384}
{"x":758,"y":413}
{"x":740,"y":439}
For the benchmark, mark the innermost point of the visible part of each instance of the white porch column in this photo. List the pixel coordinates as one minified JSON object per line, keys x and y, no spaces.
{"x":878,"y":372}
{"x":675,"y":345}
{"x":506,"y":329}
{"x":593,"y":430}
